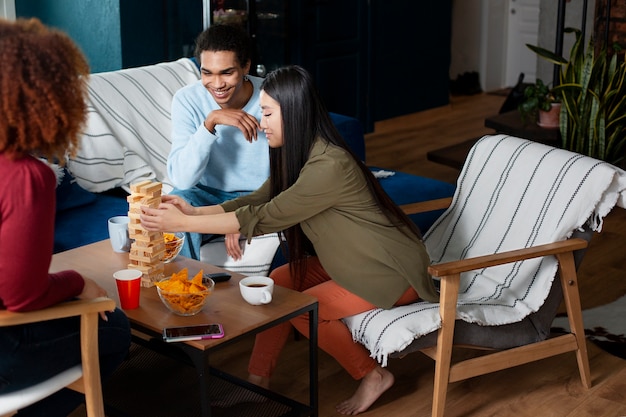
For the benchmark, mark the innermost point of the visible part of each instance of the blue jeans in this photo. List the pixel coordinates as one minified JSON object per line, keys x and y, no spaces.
{"x":199,"y":196}
{"x":31,"y":353}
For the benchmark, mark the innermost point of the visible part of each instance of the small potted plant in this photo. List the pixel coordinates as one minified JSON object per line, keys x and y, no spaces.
{"x":540,"y":105}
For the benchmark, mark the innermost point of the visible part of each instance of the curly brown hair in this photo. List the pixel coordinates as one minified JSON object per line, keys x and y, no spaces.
{"x":43,"y":85}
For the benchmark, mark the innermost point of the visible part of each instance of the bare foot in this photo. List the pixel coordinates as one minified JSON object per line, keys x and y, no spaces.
{"x":372,"y":386}
{"x":241,"y":395}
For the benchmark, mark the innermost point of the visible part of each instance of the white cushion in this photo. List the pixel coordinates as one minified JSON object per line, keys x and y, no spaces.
{"x":257,"y":256}
{"x":17,"y":400}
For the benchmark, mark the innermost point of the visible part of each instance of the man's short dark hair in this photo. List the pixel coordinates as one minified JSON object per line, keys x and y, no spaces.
{"x":225,"y":38}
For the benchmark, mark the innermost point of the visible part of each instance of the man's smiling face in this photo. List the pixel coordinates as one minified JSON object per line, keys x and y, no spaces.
{"x":223,"y":77}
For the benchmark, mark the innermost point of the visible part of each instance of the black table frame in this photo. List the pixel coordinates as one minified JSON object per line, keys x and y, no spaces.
{"x":199,"y":359}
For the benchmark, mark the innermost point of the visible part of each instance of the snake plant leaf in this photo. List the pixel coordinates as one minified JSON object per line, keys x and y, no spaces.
{"x":592,"y":90}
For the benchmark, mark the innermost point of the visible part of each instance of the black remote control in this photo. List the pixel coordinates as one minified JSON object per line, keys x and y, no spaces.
{"x":218,"y":276}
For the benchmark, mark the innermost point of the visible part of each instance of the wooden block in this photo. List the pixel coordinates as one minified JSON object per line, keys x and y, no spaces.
{"x":142,"y":244}
{"x":143,"y":200}
{"x":151,"y":189}
{"x":134,"y":208}
{"x":146,"y":282}
{"x":134,"y":217}
{"x":146,"y":258}
{"x":152,"y":202}
{"x":137,"y":229}
{"x":148,"y":249}
{"x":134,"y":198}
{"x":136,"y":187}
{"x":147,"y":237}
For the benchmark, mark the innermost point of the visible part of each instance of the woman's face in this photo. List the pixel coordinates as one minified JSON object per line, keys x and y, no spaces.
{"x":271,"y":120}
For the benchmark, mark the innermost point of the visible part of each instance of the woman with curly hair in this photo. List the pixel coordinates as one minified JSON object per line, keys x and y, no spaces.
{"x":43,"y":84}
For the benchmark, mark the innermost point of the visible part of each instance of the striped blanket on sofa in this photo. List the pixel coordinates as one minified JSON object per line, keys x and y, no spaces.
{"x":512,"y":193}
{"x":127,"y":136}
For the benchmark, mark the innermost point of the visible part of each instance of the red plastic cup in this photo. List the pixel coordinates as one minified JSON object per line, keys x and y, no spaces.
{"x":128,"y":287}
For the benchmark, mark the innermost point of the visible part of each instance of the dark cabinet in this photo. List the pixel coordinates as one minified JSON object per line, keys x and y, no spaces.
{"x":160,"y":31}
{"x":371,"y":59}
{"x":410,"y":56}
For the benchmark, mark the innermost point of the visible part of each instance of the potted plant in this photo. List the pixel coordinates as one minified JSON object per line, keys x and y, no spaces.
{"x":592,"y":90}
{"x":540,"y":105}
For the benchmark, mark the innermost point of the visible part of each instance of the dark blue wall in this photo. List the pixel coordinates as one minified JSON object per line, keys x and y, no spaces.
{"x":93,"y":24}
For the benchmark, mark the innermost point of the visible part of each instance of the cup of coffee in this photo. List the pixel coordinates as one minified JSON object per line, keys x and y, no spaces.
{"x":118,"y":233}
{"x":257,"y":290}
{"x":128,"y":283}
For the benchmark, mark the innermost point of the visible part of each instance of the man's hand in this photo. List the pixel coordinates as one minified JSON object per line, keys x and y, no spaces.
{"x":243,"y":121}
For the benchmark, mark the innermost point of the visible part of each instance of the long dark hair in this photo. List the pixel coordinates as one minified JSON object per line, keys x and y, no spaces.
{"x":305,"y":118}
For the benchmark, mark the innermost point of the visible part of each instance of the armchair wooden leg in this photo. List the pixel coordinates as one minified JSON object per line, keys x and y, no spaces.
{"x":91,"y":365}
{"x":445,"y":336}
{"x":571,"y":296}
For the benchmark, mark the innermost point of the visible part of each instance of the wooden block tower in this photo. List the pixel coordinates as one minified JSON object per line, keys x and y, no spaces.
{"x":148,"y":248}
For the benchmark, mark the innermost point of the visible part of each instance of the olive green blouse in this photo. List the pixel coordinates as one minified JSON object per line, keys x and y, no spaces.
{"x":355,"y":242}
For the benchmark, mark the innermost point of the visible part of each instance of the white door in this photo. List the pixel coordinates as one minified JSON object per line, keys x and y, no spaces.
{"x":523,"y":28}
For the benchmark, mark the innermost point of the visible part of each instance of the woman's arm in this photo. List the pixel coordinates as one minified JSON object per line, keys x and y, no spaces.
{"x":209,"y":219}
{"x":26,"y":239}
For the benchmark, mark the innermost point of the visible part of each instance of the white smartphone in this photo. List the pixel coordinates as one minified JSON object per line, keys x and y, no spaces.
{"x":197,"y":332}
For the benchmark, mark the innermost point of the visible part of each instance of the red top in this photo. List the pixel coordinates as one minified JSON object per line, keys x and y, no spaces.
{"x":27,"y":211}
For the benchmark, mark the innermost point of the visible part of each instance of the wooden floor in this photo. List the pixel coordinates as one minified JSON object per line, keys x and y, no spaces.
{"x":547,"y":388}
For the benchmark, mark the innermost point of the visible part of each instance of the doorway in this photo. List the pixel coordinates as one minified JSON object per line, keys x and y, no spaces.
{"x":490,"y":36}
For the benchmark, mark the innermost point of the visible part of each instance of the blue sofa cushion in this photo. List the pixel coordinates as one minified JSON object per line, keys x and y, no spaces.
{"x":71,"y":195}
{"x":406,"y":188}
{"x":87,"y":224}
{"x":351,"y":130}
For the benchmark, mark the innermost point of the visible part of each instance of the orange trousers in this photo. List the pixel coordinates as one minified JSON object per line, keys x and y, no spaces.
{"x":334,"y":337}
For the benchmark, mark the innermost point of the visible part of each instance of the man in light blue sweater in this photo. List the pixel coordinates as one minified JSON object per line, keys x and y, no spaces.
{"x":218,"y":150}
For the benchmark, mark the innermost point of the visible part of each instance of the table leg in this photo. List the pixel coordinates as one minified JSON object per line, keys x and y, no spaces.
{"x":200,"y":362}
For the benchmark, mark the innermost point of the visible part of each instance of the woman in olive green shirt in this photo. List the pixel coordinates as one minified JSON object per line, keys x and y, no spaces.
{"x":349,"y":245}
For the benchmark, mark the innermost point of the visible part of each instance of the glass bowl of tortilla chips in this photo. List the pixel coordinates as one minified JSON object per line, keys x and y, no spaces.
{"x":183,"y":296}
{"x":173,"y":244}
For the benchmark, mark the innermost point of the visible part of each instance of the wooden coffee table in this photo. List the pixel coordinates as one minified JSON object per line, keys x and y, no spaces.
{"x":98,"y":262}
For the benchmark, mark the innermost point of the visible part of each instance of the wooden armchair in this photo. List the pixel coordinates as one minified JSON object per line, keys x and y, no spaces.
{"x":505,"y":253}
{"x":84,"y":378}
{"x":439,"y":345}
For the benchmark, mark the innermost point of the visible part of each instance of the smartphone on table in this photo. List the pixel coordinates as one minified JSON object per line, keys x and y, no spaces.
{"x":195,"y":332}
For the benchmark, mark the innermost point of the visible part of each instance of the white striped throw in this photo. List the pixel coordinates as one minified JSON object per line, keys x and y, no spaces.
{"x":127,"y":136}
{"x":512,"y":193}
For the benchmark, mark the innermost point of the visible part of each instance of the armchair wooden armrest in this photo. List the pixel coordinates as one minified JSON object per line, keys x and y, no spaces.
{"x":464,"y":265}
{"x":425,"y":206}
{"x":58,"y":311}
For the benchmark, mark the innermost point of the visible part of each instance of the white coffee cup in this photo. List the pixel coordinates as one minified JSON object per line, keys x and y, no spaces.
{"x":118,"y":233}
{"x":257,"y":290}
